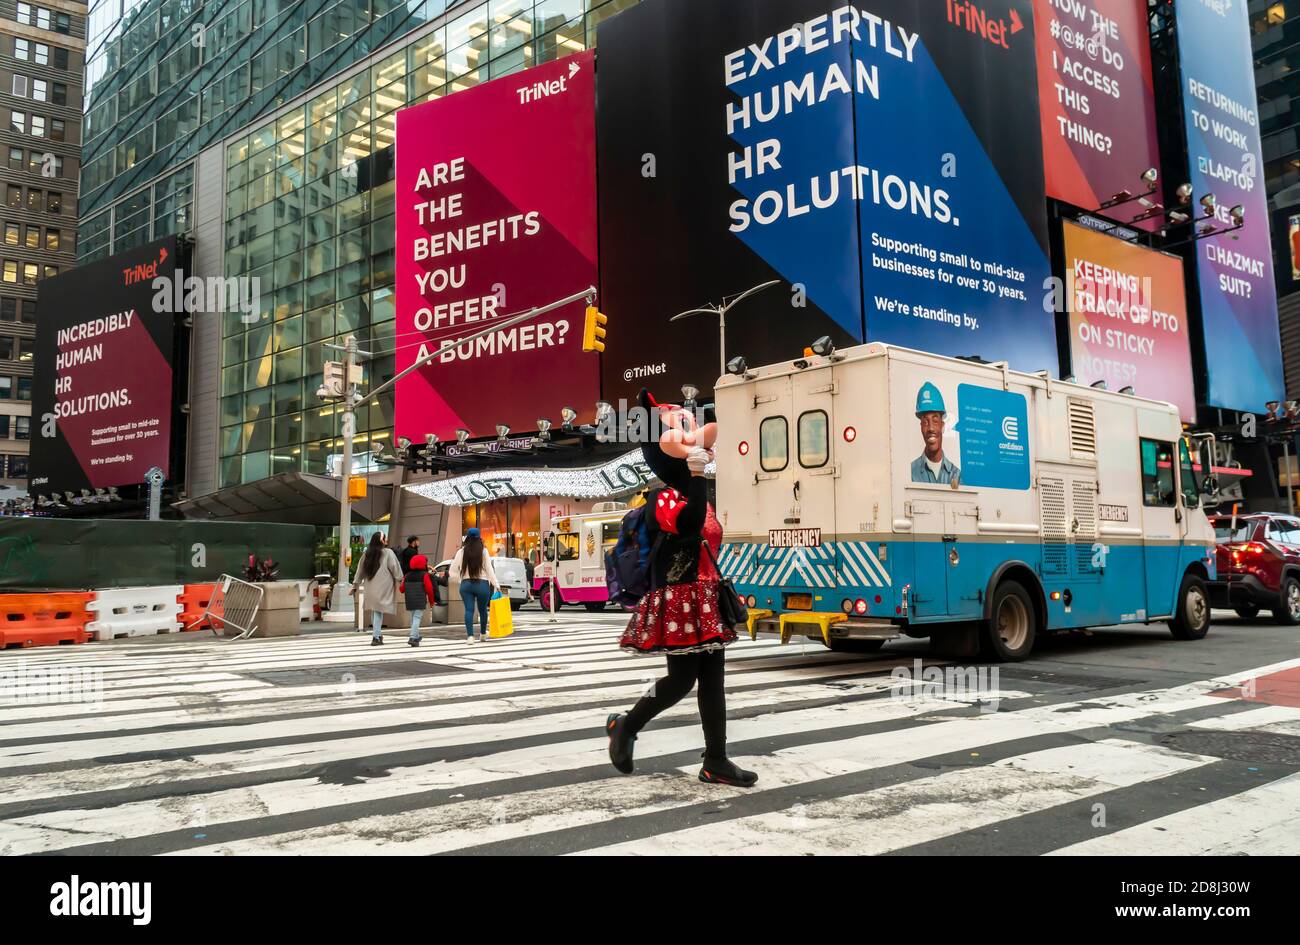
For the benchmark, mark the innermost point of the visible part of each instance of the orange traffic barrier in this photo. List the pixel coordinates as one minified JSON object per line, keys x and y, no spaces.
{"x":194,"y":600}
{"x":44,"y":619}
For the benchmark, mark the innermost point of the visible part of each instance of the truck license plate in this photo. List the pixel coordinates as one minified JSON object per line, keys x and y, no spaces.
{"x":798,"y":601}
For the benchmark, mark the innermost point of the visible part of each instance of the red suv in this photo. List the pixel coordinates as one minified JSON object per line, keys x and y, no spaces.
{"x":1258,"y":565}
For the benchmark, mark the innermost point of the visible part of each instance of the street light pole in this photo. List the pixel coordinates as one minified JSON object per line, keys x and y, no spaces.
{"x":721,"y":310}
{"x":340,"y":605}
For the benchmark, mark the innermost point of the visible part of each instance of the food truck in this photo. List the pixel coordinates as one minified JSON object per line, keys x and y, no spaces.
{"x":574,"y":558}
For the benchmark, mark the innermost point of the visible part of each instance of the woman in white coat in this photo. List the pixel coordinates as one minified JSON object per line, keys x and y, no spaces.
{"x":379,"y":574}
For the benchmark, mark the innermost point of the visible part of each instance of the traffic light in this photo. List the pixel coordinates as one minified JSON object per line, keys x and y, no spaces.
{"x":593,"y":330}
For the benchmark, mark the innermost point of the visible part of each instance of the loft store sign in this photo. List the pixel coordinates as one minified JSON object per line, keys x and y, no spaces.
{"x":618,"y":477}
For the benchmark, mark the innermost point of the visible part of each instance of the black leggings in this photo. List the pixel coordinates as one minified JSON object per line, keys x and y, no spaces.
{"x":684,"y":670}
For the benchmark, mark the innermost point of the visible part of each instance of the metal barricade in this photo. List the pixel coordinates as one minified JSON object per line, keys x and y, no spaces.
{"x":234,"y":604}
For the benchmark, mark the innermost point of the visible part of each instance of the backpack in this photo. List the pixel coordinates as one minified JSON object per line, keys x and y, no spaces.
{"x":627,"y":564}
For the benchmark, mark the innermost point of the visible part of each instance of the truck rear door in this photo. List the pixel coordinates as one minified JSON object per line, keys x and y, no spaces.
{"x":811,"y":476}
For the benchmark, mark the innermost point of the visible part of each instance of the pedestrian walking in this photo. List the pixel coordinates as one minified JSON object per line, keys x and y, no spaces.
{"x":417,"y":588}
{"x":410,"y":551}
{"x":679,"y":615}
{"x":473,"y":568}
{"x":379,"y":575}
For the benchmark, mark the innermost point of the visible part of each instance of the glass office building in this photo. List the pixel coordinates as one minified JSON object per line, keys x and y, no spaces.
{"x":298,"y":99}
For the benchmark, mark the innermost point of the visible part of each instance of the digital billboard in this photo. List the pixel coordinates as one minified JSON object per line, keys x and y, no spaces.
{"x":1096,"y":100}
{"x":1234,"y":272}
{"x":1128,"y":318}
{"x":496,"y":214}
{"x":883,"y":163}
{"x":102,"y":395}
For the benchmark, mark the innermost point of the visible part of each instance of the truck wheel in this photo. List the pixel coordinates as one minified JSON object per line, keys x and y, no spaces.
{"x":1288,"y":613}
{"x":857,"y":646}
{"x":1192,"y":615}
{"x":1247,"y":611}
{"x":1010,"y":632}
{"x":594,"y":606}
{"x":544,"y":598}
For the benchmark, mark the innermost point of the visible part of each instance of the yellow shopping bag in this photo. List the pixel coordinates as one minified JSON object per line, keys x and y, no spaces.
{"x":501,"y":620}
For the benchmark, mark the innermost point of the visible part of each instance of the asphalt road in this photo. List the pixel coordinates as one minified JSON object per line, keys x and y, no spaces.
{"x":1121,"y":741}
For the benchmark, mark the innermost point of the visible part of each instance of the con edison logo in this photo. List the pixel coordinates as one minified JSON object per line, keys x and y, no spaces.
{"x":79,"y":898}
{"x":539,"y":90}
{"x":1011,"y":428}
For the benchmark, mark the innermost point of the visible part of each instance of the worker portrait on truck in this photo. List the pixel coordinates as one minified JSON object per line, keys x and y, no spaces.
{"x":932,"y":465}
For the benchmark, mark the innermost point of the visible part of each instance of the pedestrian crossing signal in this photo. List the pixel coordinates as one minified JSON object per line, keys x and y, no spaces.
{"x":593,"y":331}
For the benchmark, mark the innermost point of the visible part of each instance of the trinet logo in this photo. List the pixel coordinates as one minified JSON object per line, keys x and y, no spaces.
{"x":540,"y":90}
{"x":142,"y":271}
{"x":77,"y":898}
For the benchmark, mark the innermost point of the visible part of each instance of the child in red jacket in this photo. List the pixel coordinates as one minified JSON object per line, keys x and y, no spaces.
{"x":417,"y":586}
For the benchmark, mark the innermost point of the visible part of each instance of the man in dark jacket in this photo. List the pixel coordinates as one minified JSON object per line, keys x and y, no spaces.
{"x":410,"y":551}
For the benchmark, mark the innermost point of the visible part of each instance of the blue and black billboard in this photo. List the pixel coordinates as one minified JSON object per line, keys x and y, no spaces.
{"x":882,"y":160}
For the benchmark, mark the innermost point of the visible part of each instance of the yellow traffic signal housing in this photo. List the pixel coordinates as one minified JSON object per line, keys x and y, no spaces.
{"x":356,"y":488}
{"x":593,"y":331}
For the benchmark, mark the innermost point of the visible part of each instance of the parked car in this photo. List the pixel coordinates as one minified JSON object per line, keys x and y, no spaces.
{"x":511,"y":573}
{"x":1258,"y":565}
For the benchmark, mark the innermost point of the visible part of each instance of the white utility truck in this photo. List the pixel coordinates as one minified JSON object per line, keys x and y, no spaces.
{"x":877,"y":491}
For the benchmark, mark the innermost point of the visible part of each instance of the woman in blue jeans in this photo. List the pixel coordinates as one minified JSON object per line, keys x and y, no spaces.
{"x":473,"y":568}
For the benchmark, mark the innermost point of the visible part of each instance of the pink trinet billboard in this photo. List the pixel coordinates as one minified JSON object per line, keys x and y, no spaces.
{"x":496,"y":213}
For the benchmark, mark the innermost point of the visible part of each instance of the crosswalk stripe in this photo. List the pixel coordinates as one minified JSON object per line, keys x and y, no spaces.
{"x":501,"y":752}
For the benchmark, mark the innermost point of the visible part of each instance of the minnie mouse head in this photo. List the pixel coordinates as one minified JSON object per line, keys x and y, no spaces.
{"x":680,"y":434}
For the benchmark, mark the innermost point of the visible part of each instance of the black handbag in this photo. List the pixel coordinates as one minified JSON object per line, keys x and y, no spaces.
{"x":731,"y":606}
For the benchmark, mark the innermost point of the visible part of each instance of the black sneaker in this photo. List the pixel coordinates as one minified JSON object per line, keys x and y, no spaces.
{"x":620,"y":742}
{"x":376,"y":641}
{"x":722,"y":771}
{"x":413,"y":641}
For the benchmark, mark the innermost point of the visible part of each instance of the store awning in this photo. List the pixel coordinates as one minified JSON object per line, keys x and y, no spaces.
{"x":297,"y":498}
{"x":618,"y":477}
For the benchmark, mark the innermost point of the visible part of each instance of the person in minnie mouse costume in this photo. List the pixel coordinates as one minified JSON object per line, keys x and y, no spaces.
{"x":679,"y":614}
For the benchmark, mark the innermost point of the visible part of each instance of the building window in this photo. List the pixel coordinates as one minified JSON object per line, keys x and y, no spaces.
{"x":10,"y":276}
{"x":56,"y":129}
{"x":24,"y":388}
{"x":42,"y":18}
{"x":18,"y":122}
{"x":52,"y":240}
{"x":33,"y":237}
{"x":20,"y":86}
{"x":21,"y":49}
{"x":27,"y":312}
{"x":40,"y":90}
{"x":17,"y":467}
{"x":6,"y":388}
{"x":50,"y":272}
{"x":4,"y":426}
{"x":38,"y":126}
{"x":30,"y":273}
{"x":59,"y":94}
{"x":26,"y":348}
{"x":42,"y":55}
{"x":23,"y":428}
{"x":62,"y":23}
{"x":53,"y":203}
{"x":8,"y":310}
{"x":11,"y":234}
{"x":25,"y":13}
{"x":14,"y":196}
{"x":60,"y":58}
{"x":16,"y":158}
{"x":33,"y":200}
{"x":6,"y":347}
